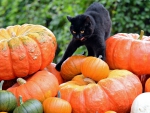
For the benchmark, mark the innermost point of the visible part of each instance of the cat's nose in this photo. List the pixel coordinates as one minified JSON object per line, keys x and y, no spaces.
{"x":77,"y":36}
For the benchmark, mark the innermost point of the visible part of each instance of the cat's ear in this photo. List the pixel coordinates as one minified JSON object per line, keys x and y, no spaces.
{"x":69,"y":18}
{"x":87,"y":19}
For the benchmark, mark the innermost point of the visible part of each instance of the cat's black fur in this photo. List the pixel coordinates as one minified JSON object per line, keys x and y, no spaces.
{"x":90,"y":29}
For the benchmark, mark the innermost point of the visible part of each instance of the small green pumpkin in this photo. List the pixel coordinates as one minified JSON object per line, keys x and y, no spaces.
{"x":8,"y":101}
{"x":29,"y":106}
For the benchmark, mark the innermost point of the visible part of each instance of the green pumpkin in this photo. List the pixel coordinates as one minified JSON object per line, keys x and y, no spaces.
{"x":29,"y":106}
{"x":8,"y":101}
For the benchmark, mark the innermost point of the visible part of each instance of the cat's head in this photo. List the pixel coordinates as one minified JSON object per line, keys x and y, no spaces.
{"x":81,"y":27}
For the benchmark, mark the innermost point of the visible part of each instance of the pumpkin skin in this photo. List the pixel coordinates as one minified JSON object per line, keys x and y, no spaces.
{"x":94,"y":68}
{"x":147,"y":85}
{"x":51,"y":68}
{"x":71,"y":67}
{"x":110,"y":112}
{"x":25,"y":49}
{"x":56,"y":105}
{"x":29,"y":106}
{"x":141,"y":103}
{"x":116,"y":92}
{"x":40,"y":86}
{"x":126,"y":51}
{"x":8,"y":101}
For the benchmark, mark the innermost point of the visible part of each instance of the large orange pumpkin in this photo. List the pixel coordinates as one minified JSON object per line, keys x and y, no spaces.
{"x":40,"y":86}
{"x":127,"y":51}
{"x":25,"y":49}
{"x":116,"y":93}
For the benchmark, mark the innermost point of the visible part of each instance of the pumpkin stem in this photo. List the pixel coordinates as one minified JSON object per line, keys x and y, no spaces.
{"x":20,"y":100}
{"x":59,"y":94}
{"x":141,"y":35}
{"x":21,"y":81}
{"x":13,"y":34}
{"x":84,"y":53}
{"x":1,"y":84}
{"x":89,"y":80}
{"x":100,"y":56}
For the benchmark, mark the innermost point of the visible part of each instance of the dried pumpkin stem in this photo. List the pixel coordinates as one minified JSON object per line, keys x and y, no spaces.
{"x":21,"y":81}
{"x":141,"y":35}
{"x":59,"y":94}
{"x":20,"y":100}
{"x":89,"y":80}
{"x":1,"y":84}
{"x":13,"y":34}
{"x":84,"y":53}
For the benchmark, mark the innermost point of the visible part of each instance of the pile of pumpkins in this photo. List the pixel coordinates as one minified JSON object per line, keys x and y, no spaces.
{"x":30,"y":82}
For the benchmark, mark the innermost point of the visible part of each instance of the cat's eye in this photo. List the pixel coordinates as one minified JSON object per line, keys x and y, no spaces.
{"x":82,"y":31}
{"x":74,"y":32}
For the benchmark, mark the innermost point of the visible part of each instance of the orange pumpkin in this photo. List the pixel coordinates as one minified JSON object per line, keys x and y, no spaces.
{"x":25,"y":49}
{"x":40,"y":86}
{"x":51,"y":68}
{"x":127,"y":51}
{"x":116,"y":92}
{"x":56,"y":105}
{"x":71,"y":66}
{"x":94,"y":68}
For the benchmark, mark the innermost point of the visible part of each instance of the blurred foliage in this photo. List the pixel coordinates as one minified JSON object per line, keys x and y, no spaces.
{"x":128,"y":16}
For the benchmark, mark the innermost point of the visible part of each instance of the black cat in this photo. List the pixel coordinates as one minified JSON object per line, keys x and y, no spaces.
{"x":90,"y":29}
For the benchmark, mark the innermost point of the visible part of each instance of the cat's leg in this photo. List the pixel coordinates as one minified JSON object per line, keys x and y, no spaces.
{"x":90,"y":51}
{"x":100,"y":52}
{"x":99,"y":47}
{"x":73,"y":45}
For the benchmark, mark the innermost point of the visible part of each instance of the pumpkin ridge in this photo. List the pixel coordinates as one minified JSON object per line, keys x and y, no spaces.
{"x":84,"y":93}
{"x":46,"y":76}
{"x":126,"y":90}
{"x":4,"y":33}
{"x":108,"y":95}
{"x":76,"y":94}
{"x":32,"y":104}
{"x":75,"y":67}
{"x":113,"y":57}
{"x":68,"y":71}
{"x":24,"y":107}
{"x":10,"y":61}
{"x":130,"y":55}
{"x":41,"y":46}
{"x":96,"y":68}
{"x":93,"y":65}
{"x":6,"y":108}
{"x":33,"y":53}
{"x":15,"y":65}
{"x":23,"y":90}
{"x":37,"y":87}
{"x":72,"y":66}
